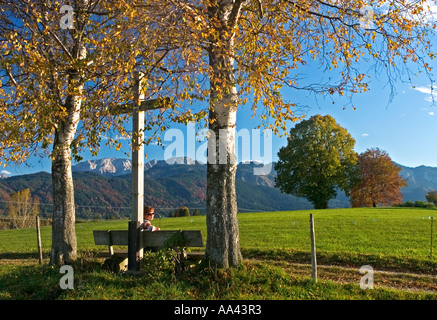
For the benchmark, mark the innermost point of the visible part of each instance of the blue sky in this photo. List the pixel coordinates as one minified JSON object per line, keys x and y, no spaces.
{"x":405,"y":127}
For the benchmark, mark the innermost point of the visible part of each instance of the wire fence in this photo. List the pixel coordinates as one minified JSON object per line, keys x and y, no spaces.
{"x":397,"y":234}
{"x":397,"y":231}
{"x":93,"y":212}
{"x":401,"y":233}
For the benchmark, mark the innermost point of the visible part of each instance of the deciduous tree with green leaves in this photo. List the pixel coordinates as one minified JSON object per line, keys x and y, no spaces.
{"x":182,"y":212}
{"x":431,"y":196}
{"x":318,"y":160}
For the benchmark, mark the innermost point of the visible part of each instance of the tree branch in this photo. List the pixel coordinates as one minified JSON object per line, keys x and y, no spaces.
{"x":152,"y":104}
{"x":235,"y":14}
{"x":321,"y":15}
{"x":11,"y":77}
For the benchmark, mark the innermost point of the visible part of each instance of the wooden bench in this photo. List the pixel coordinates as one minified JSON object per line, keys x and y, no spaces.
{"x":176,"y":239}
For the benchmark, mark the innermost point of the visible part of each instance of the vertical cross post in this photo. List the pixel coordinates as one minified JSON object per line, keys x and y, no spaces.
{"x":135,"y":252}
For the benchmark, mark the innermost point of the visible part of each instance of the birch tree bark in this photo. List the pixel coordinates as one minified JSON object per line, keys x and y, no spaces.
{"x":64,"y":243}
{"x":62,"y":62}
{"x":223,"y":245}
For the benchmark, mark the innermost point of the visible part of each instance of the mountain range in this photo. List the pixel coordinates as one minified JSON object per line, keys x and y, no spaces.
{"x":103,"y":188}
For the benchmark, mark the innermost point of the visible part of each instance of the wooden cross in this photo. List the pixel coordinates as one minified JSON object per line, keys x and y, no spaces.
{"x":138,"y":109}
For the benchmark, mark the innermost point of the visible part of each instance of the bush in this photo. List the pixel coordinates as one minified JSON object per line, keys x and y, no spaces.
{"x":182,"y":212}
{"x":431,"y":196}
{"x":416,"y":204}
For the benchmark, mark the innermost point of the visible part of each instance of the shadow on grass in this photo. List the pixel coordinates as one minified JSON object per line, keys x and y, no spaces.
{"x":20,"y":255}
{"x":258,"y":280}
{"x":29,"y":282}
{"x":23,"y":278}
{"x":352,"y":260}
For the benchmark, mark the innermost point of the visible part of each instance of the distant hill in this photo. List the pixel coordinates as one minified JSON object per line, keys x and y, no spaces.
{"x":420,"y":180}
{"x":103,"y":188}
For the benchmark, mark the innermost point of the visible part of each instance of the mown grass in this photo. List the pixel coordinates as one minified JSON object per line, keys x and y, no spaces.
{"x":254,"y":280}
{"x":387,"y":239}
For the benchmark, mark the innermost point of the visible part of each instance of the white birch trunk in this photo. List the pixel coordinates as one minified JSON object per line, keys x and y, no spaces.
{"x":64,"y":243}
{"x":223,"y":244}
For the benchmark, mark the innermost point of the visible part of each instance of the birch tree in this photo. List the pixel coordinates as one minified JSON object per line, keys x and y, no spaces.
{"x":252,"y":53}
{"x":66,"y":71}
{"x":22,"y":209}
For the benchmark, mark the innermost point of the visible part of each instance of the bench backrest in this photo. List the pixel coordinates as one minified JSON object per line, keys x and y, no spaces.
{"x":186,"y":238}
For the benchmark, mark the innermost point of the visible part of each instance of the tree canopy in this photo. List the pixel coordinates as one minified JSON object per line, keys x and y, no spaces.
{"x":44,"y":65}
{"x":380,"y":183}
{"x":431,"y":196}
{"x":65,"y":76}
{"x":318,"y":160}
{"x":22,"y":209}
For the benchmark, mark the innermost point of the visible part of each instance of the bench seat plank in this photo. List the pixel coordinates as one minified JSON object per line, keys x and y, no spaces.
{"x":111,"y":237}
{"x":192,"y":238}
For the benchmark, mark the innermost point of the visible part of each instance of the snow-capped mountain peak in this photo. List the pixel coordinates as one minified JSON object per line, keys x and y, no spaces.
{"x":105,"y":166}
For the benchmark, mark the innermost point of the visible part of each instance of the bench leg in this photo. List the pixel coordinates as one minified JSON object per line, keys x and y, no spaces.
{"x":115,"y":264}
{"x":181,"y":263}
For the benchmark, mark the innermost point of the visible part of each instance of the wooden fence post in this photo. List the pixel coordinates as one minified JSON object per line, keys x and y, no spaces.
{"x":313,"y":248}
{"x":432,"y":223}
{"x":38,"y":239}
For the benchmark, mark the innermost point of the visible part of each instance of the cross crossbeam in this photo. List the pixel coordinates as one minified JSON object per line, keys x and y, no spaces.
{"x":137,"y":109}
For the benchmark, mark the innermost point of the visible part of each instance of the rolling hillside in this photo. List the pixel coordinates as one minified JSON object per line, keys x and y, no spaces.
{"x":420,"y":180}
{"x":103,"y":188}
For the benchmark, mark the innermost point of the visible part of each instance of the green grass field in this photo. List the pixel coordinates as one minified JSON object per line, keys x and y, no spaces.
{"x":396,"y":239}
{"x":403,"y":233}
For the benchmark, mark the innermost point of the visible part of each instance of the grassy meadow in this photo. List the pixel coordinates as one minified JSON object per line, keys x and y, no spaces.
{"x":276,"y":248}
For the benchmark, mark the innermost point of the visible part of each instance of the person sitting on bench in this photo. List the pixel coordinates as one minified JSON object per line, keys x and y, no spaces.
{"x":149,"y":214}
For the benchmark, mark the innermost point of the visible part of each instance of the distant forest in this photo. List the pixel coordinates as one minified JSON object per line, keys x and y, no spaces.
{"x":168,"y":187}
